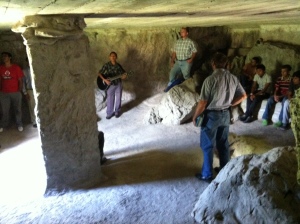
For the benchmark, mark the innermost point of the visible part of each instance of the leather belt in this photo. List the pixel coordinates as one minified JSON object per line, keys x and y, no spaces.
{"x":184,"y":59}
{"x":222,"y":110}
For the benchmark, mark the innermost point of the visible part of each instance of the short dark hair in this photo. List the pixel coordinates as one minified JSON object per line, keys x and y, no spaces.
{"x":296,"y":74}
{"x":113,"y":53}
{"x":186,"y":28}
{"x":288,"y":67}
{"x":220,"y":60}
{"x":261,"y":66}
{"x":256,"y":59}
{"x":6,"y":53}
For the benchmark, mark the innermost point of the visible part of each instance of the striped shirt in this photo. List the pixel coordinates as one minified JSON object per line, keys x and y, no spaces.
{"x":184,"y":48}
{"x":282,"y":85}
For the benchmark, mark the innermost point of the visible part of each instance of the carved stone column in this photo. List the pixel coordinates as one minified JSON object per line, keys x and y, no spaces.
{"x":58,"y":52}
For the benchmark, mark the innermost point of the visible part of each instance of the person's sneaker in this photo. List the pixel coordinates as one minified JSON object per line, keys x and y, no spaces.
{"x":278,"y":124}
{"x":264,"y":122}
{"x":20,"y":128}
{"x":110,"y":116}
{"x":284,"y":127}
{"x":243,"y":117}
{"x":249,"y":119}
{"x":206,"y":179}
{"x":1,"y":129}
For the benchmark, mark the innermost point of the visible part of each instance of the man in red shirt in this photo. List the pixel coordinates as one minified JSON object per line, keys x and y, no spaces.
{"x":280,"y":95}
{"x":11,"y":85}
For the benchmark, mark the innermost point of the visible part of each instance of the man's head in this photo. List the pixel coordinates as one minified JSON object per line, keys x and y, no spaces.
{"x":219,"y":60}
{"x":6,"y":56}
{"x":285,"y":70}
{"x":113,"y":57}
{"x":255,"y":61}
{"x":260,"y":69}
{"x":184,"y":32}
{"x":296,"y":78}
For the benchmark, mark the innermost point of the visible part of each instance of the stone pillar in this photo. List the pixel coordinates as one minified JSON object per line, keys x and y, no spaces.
{"x":58,"y":52}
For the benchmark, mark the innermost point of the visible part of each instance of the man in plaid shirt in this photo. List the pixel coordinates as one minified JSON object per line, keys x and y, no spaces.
{"x":184,"y":52}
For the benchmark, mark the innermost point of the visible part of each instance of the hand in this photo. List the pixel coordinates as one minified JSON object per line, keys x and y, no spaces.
{"x":252,"y":97}
{"x":124,"y":76}
{"x":107,"y":81}
{"x":276,"y":99}
{"x":189,"y":60}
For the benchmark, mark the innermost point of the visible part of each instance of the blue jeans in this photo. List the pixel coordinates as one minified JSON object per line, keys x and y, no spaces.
{"x":180,"y":67}
{"x":214,"y":132}
{"x":284,"y":113}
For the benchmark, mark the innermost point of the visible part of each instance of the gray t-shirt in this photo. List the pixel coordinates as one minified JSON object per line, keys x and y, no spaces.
{"x":220,"y":89}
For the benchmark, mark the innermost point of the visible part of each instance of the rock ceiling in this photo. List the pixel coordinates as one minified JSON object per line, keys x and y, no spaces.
{"x":157,"y":13}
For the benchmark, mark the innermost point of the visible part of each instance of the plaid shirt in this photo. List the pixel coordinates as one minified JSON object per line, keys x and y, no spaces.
{"x":109,"y":71}
{"x":184,"y":48}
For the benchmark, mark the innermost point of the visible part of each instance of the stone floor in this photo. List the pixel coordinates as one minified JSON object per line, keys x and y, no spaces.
{"x":149,"y":177}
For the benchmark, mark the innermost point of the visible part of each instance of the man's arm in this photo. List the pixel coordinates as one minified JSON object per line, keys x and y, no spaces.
{"x":264,"y":89}
{"x":199,"y":109}
{"x":173,"y":58}
{"x":20,"y":81}
{"x":107,"y":81}
{"x":238,"y":100}
{"x":192,"y":58}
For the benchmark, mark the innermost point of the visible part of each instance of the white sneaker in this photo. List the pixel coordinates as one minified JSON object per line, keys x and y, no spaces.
{"x":1,"y":129}
{"x":20,"y":128}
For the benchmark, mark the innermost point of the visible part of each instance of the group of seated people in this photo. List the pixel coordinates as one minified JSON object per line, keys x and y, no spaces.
{"x":257,"y":84}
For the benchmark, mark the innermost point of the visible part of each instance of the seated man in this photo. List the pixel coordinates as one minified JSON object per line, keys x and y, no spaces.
{"x":280,"y":95}
{"x":260,"y":90}
{"x":248,"y":72}
{"x":295,"y":84}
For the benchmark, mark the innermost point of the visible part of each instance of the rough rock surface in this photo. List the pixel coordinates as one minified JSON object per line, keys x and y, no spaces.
{"x":281,"y":53}
{"x":253,"y":189}
{"x":177,"y":106}
{"x":65,"y":103}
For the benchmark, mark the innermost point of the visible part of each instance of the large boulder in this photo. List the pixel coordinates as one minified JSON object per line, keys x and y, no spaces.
{"x":253,"y":189}
{"x":177,"y":106}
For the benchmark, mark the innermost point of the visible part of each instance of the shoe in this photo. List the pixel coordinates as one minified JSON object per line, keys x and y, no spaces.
{"x":34,"y":125}
{"x":217,"y":169}
{"x":249,"y":119}
{"x":243,"y":117}
{"x":284,"y":127}
{"x":206,"y":179}
{"x":20,"y":128}
{"x":264,"y":122}
{"x":118,"y":115}
{"x":278,"y":124}
{"x":103,"y":160}
{"x":1,"y":129}
{"x":110,"y":116}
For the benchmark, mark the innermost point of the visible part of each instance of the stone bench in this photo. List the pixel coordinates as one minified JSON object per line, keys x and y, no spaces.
{"x":260,"y":110}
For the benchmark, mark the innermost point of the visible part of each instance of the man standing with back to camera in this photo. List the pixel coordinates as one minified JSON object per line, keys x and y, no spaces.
{"x":219,"y":92}
{"x":183,"y":55}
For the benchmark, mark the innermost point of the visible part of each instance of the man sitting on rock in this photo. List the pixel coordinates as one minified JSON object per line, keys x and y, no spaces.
{"x":280,"y":95}
{"x":260,"y":90}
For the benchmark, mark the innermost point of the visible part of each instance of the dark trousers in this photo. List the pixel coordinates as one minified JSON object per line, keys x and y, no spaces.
{"x":251,"y":104}
{"x":101,"y":143}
